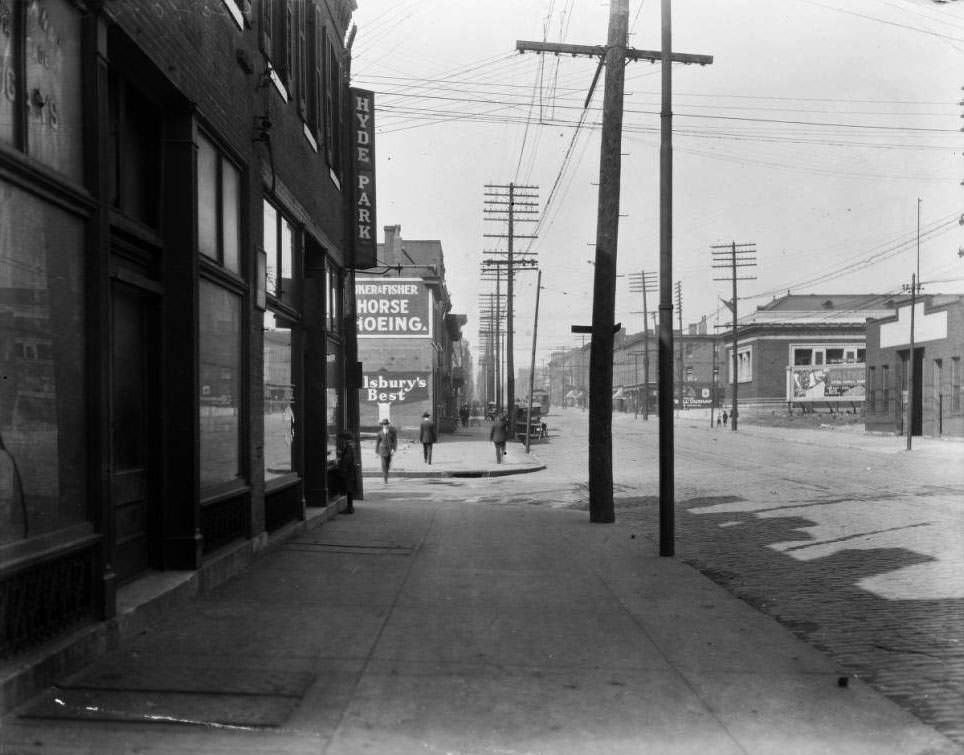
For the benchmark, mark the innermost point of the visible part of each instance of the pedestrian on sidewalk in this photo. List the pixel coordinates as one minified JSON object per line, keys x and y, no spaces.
{"x":724,"y":419}
{"x":428,"y":436}
{"x":385,"y":445}
{"x":498,"y":435}
{"x":347,"y":470}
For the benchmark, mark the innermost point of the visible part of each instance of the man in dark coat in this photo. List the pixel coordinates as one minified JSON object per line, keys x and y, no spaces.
{"x":385,"y":444}
{"x":498,"y":435}
{"x":428,"y":436}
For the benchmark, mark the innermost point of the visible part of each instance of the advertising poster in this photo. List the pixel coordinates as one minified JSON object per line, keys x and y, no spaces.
{"x":830,"y":382}
{"x":393,"y":308}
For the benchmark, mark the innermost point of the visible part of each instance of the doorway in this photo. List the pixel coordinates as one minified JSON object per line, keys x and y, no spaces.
{"x":133,"y":432}
{"x":917,"y":399}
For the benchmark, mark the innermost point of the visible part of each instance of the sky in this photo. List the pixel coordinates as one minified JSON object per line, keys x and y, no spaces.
{"x":813,"y":135}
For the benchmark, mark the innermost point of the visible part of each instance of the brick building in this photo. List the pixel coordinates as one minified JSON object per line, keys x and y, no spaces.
{"x":176,"y":243}
{"x":802,"y":351}
{"x":636,"y":363}
{"x":938,"y":382}
{"x":409,"y":342}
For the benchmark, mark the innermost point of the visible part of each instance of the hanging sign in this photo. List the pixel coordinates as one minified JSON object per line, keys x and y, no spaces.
{"x":362,"y":141}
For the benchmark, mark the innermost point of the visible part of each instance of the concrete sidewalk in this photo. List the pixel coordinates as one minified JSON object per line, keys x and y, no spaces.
{"x":420,"y":626}
{"x":466,"y":458}
{"x":467,"y":452}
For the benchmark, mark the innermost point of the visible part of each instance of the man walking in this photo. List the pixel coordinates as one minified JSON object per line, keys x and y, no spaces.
{"x":498,"y":435}
{"x":385,"y":445}
{"x":428,"y":436}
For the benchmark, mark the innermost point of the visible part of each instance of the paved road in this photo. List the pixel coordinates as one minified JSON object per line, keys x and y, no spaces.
{"x":858,"y":551}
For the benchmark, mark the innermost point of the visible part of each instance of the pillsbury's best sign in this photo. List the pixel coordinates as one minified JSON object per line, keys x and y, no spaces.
{"x":393,"y":308}
{"x":363,"y":164}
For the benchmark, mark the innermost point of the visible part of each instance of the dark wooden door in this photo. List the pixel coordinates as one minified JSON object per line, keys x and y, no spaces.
{"x":132,"y":500}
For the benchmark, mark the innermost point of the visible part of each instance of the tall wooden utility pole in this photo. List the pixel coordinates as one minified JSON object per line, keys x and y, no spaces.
{"x":506,"y":203}
{"x":643,"y":282}
{"x":679,"y":318}
{"x":532,"y":362}
{"x":604,"y":286}
{"x":733,"y":256}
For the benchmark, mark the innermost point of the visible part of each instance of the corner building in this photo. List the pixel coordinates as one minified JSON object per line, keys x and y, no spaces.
{"x":409,"y":342}
{"x":176,"y":245}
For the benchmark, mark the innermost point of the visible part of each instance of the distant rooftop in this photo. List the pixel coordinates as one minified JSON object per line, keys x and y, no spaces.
{"x":822,"y":309}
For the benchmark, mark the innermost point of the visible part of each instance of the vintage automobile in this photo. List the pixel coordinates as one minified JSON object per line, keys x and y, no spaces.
{"x":537,"y":428}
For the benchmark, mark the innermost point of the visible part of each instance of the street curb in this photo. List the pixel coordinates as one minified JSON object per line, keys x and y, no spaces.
{"x":457,"y":473}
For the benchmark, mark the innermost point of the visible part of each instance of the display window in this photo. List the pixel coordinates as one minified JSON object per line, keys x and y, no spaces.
{"x":43,"y":400}
{"x":280,"y":423}
{"x":220,"y":371}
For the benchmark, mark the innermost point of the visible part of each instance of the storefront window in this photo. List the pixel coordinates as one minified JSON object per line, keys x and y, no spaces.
{"x":42,"y":393}
{"x":279,"y":414}
{"x":9,"y":75}
{"x":280,"y":251}
{"x":53,"y":85}
{"x":218,"y":207}
{"x":219,"y":336}
{"x":334,"y":384}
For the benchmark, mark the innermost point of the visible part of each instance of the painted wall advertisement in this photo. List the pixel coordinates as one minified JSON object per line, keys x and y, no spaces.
{"x":393,"y":308}
{"x":829,"y":382}
{"x":384,"y":387}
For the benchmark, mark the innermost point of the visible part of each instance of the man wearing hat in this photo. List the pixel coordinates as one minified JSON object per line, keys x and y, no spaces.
{"x":385,"y":445}
{"x":427,"y":435}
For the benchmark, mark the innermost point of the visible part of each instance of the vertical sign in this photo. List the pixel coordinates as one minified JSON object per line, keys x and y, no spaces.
{"x":362,"y":140}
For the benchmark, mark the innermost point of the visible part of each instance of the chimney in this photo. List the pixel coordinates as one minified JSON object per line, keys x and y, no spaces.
{"x":393,"y":245}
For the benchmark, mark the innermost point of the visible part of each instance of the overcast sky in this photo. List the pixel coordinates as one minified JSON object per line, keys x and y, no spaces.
{"x":813,"y":133}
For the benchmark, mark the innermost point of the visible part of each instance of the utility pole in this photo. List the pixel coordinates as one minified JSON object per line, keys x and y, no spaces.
{"x":614,"y":56}
{"x":504,"y":204}
{"x":643,"y":282}
{"x":911,"y":362}
{"x":734,"y":255}
{"x":532,"y":363}
{"x":679,"y":314}
{"x":488,"y":265}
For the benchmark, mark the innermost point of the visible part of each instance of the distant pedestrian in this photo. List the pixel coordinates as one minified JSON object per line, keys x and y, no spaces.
{"x":719,"y":420}
{"x":464,"y":415}
{"x":498,"y":435}
{"x":428,"y":436}
{"x":724,"y":419}
{"x":385,"y":445}
{"x":347,"y":470}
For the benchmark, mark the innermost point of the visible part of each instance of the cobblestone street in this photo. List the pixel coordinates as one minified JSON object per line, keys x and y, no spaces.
{"x":859,"y":551}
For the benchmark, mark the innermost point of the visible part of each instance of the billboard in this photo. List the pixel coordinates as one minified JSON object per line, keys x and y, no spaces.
{"x":826,"y":382}
{"x":393,"y":308}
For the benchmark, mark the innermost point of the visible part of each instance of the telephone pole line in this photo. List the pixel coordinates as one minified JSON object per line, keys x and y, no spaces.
{"x":734,"y":256}
{"x":643,"y":282}
{"x":614,"y":56}
{"x":505,"y":203}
